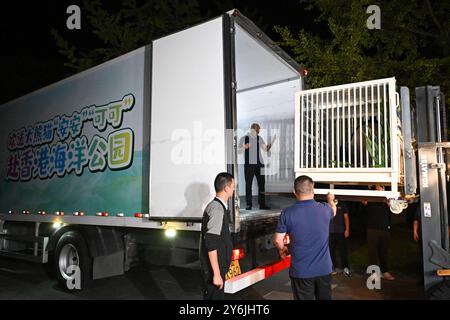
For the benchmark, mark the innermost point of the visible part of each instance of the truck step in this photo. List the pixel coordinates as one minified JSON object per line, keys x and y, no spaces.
{"x":38,"y":254}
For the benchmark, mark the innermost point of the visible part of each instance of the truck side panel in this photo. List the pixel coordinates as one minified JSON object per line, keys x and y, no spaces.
{"x":77,"y":145}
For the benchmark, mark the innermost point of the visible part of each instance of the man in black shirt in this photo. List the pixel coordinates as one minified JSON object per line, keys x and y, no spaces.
{"x":339,"y":232}
{"x":378,"y":234}
{"x":252,"y":144}
{"x":416,"y":223}
{"x":215,"y":241}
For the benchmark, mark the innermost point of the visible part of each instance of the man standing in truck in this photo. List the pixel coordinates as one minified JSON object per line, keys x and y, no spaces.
{"x":215,"y":241}
{"x":252,"y":144}
{"x":307,"y":223}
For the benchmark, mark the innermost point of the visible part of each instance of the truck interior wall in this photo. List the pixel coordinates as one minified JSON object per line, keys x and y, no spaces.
{"x":273,"y":108}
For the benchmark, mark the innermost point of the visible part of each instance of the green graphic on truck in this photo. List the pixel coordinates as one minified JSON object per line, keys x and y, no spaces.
{"x":43,"y":149}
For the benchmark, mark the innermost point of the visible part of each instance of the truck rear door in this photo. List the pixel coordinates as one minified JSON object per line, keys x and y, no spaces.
{"x":187,"y":120}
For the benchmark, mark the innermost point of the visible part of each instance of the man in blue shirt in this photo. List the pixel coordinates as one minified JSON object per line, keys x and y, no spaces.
{"x":307,"y":222}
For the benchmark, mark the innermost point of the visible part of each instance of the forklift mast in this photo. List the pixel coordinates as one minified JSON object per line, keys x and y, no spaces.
{"x":433,"y":163}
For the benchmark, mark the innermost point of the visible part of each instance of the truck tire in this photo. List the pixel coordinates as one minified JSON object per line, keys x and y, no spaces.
{"x":441,"y":291}
{"x":71,"y":250}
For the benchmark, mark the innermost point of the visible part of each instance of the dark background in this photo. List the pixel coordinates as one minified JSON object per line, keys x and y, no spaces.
{"x":29,"y":58}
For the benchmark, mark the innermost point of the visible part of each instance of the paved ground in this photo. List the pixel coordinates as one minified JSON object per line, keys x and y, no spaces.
{"x":344,"y":288}
{"x":22,"y":280}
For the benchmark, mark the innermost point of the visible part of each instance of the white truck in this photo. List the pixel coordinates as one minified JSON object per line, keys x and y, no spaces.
{"x":122,"y":157}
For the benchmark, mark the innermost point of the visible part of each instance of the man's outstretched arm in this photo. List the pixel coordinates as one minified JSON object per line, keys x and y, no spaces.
{"x":330,"y":200}
{"x":279,"y":243}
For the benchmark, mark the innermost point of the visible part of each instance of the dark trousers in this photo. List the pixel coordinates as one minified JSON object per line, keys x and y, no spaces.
{"x":210,"y":291}
{"x":318,"y":288}
{"x":252,"y":170}
{"x":378,"y":243}
{"x":338,"y":242}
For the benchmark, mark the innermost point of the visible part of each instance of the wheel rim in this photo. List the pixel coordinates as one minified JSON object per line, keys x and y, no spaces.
{"x":68,"y":257}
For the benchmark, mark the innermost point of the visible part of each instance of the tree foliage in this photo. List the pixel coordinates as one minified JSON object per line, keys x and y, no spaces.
{"x":135,"y":23}
{"x":413,"y":43}
{"x":120,"y":30}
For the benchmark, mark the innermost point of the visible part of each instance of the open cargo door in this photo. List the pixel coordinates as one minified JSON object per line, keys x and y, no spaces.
{"x":187,"y":120}
{"x":266,"y":82}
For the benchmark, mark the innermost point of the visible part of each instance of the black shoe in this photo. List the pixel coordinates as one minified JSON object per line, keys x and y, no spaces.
{"x":264,"y":207}
{"x":248,"y":208}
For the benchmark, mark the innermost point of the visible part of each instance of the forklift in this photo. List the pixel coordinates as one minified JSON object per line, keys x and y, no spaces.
{"x":416,"y":166}
{"x":433,"y":167}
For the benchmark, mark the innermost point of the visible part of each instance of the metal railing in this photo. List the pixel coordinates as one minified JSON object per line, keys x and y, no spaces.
{"x":348,"y":133}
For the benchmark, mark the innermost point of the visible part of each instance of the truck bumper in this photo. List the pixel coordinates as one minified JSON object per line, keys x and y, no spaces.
{"x":256,"y":275}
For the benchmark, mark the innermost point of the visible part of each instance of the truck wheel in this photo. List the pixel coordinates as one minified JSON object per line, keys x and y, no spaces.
{"x":71,"y":255}
{"x":441,"y":291}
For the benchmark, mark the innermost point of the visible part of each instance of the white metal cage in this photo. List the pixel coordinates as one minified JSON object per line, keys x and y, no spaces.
{"x":349,"y":135}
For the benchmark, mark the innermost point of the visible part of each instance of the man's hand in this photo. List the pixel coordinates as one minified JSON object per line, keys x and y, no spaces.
{"x":416,"y":230}
{"x":330,"y":197}
{"x":267,"y":147}
{"x":217,"y":278}
{"x":218,"y":281}
{"x":247,"y":146}
{"x":347,"y":225}
{"x":283,"y":252}
{"x":279,"y":244}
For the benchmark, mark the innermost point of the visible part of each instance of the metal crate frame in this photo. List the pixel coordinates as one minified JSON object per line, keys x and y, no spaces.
{"x":327,"y":122}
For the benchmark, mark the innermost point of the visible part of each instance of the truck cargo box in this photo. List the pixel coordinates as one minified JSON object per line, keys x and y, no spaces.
{"x":138,"y":140}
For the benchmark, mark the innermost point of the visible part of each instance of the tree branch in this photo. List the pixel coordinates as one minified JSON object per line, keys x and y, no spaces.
{"x":433,"y":17}
{"x":424,"y":33}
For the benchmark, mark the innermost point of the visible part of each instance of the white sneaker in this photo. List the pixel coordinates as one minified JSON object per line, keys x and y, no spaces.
{"x":347,"y":272}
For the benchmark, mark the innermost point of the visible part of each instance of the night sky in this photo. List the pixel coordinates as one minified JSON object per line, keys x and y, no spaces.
{"x":30,"y":58}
